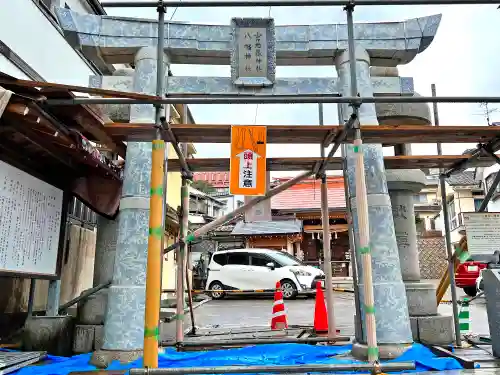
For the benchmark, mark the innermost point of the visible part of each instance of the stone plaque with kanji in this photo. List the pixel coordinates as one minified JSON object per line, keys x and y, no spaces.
{"x":253,"y":53}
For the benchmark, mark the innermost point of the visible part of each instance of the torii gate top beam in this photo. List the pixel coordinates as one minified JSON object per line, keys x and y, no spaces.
{"x":284,"y":3}
{"x":115,"y":40}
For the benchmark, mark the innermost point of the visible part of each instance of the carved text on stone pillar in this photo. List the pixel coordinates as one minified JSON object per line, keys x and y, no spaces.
{"x":399,"y":211}
{"x":253,"y":55}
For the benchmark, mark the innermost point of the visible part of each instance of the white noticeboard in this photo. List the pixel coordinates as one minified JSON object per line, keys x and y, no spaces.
{"x":30,"y":223}
{"x":483,"y":232}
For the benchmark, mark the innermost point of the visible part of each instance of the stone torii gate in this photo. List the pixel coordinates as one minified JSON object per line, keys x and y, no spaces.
{"x":114,"y":40}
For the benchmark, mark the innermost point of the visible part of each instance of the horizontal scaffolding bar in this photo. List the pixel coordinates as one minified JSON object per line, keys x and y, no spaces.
{"x":309,"y":134}
{"x":289,"y":164}
{"x":286,"y":99}
{"x":285,"y":3}
{"x":292,"y":369}
{"x":256,"y":341}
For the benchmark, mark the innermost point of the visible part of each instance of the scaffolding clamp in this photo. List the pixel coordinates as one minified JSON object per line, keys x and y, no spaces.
{"x":350,"y":6}
{"x":377,"y":369}
{"x":161,"y":8}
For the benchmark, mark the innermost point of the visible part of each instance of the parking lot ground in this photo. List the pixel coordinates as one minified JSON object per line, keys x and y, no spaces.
{"x":250,"y":311}
{"x":238,"y":312}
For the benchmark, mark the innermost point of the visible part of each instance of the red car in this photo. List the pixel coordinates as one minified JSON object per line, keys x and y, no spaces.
{"x":466,"y":276}
{"x":468,"y":272}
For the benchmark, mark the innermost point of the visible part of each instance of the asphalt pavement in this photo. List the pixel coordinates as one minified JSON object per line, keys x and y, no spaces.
{"x":250,"y":311}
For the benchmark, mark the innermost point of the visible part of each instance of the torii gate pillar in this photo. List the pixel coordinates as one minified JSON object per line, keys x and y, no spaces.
{"x":391,"y":311}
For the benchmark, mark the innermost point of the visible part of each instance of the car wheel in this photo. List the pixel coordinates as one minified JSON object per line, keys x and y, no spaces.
{"x":470,"y":291}
{"x":481,"y":286}
{"x":215,"y":287}
{"x":288,"y":289}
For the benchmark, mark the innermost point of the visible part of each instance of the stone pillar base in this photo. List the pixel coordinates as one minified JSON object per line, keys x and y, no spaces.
{"x":421,"y":298}
{"x":88,"y":338}
{"x":386,"y":351}
{"x":93,"y":309}
{"x":103,"y":358}
{"x":433,"y":330}
{"x":53,"y":334}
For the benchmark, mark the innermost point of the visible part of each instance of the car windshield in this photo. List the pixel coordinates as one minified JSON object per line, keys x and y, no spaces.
{"x":285,"y":259}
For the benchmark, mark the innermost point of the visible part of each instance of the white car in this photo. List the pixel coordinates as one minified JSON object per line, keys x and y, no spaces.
{"x":259,"y":269}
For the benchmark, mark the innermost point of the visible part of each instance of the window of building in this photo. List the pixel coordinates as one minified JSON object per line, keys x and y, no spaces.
{"x":241,"y":259}
{"x":489,"y":182}
{"x":216,"y":211}
{"x":420,"y":198}
{"x":477,"y":204}
{"x":452,"y":215}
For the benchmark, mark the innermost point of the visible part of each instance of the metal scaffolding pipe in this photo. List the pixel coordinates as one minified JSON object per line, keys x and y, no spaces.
{"x":253,"y":341}
{"x":327,"y":253}
{"x":492,"y":188}
{"x":339,"y":138}
{"x":223,"y":219}
{"x":175,"y":144}
{"x":87,"y":293}
{"x":352,"y":245}
{"x":156,"y":213}
{"x":451,"y":261}
{"x":292,"y":369}
{"x":276,"y":99}
{"x":285,"y":3}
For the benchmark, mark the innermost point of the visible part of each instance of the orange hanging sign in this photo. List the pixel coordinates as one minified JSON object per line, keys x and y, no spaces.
{"x":248,"y":160}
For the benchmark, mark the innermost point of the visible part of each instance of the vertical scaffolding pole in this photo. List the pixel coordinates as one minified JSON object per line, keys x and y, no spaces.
{"x":436,"y":118}
{"x":449,"y":248}
{"x":451,"y":261}
{"x":188,"y":246}
{"x":362,"y":206}
{"x":181,"y":256}
{"x":327,"y":254}
{"x":156,"y":219}
{"x":352,"y":245}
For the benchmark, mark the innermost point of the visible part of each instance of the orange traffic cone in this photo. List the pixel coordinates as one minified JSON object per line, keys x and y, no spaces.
{"x":278,"y":321}
{"x":320,"y":315}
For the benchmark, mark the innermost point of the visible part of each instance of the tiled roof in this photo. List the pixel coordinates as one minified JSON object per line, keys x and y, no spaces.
{"x":216,"y":179}
{"x":268,"y":227}
{"x":307,"y":195}
{"x":465,"y":178}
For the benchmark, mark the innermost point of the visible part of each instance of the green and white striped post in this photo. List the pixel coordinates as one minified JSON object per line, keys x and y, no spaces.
{"x":464,"y":317}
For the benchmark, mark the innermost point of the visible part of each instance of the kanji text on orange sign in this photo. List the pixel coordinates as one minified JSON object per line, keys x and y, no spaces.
{"x":248,"y":160}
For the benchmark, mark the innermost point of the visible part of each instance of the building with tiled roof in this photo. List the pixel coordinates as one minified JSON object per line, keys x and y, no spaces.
{"x":306,"y":196}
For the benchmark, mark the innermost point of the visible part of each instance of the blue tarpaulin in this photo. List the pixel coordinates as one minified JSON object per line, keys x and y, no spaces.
{"x":272,"y":354}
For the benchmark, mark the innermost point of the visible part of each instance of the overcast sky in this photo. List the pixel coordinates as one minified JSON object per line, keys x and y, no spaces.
{"x":463,"y":59}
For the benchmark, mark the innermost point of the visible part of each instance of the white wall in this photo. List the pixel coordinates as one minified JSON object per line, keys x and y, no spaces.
{"x":231,"y":202}
{"x":26,"y":30}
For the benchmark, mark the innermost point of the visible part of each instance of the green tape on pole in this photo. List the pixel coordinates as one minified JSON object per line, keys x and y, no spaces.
{"x":372,"y":352}
{"x":184,"y":193}
{"x":157,"y":191}
{"x":369,"y":309}
{"x":364,"y":250}
{"x":190,"y":238}
{"x":178,"y":317}
{"x":158,"y":145}
{"x":357,"y":149}
{"x":156,"y":232}
{"x":152,"y":332}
